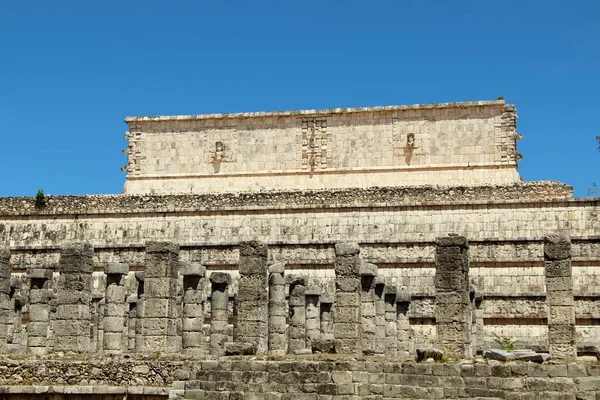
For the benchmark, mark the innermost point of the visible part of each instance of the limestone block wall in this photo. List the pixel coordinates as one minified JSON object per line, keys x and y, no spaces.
{"x":395,"y":228}
{"x":472,"y":143}
{"x":384,"y":379}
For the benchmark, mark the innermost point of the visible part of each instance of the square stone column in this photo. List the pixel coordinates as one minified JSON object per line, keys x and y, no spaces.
{"x":5,"y":310}
{"x":252,"y":298}
{"x":277,"y":309}
{"x":368,"y":273}
{"x":559,"y":292}
{"x":297,"y":328}
{"x":391,"y":324}
{"x":39,"y":310}
{"x":379,"y":315}
{"x":347,"y":305}
{"x":403,"y":329}
{"x":132,"y":301}
{"x":115,"y":308}
{"x":159,"y":325}
{"x":73,"y":298}
{"x":326,"y":315}
{"x":219,"y":312}
{"x":140,"y":277}
{"x":193,"y":309}
{"x":313,"y":320}
{"x":452,"y":302}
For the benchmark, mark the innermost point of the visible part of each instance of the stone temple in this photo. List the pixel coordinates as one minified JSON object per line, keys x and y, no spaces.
{"x":342,"y":253}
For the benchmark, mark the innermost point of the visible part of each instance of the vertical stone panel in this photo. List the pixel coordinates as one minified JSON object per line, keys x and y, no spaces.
{"x":347,"y":313}
{"x":559,"y":293}
{"x":160,"y":311}
{"x":379,"y":315}
{"x":140,"y":278}
{"x":97,"y":316}
{"x":313,"y":323}
{"x":252,"y":297}
{"x":297,"y":330}
{"x":403,"y":328}
{"x":5,"y":311}
{"x":73,"y":298}
{"x":132,"y":302}
{"x":391,"y":325}
{"x":452,"y":303}
{"x":326,"y":316}
{"x":368,"y":273}
{"x":39,"y":310}
{"x":115,"y":308}
{"x":193,"y":309}
{"x":219,"y":313}
{"x":478,"y":331}
{"x":277,"y":308}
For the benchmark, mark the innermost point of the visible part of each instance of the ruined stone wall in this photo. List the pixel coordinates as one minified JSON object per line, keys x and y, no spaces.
{"x":395,"y":227}
{"x":385,"y":379}
{"x":310,"y":378}
{"x":471,"y":143}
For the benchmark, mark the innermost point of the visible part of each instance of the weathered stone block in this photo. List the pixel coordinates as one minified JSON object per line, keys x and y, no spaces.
{"x":164,"y":288}
{"x":557,"y":247}
{"x":192,"y":269}
{"x":76,"y":258}
{"x":38,"y":312}
{"x":556,"y":269}
{"x":220,"y":278}
{"x":39,"y":273}
{"x":344,"y":299}
{"x":347,"y":249}
{"x":254,"y":248}
{"x":116,"y":269}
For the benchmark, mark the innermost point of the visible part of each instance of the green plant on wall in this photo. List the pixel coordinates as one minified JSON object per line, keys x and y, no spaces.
{"x":40,"y":199}
{"x":505,"y":343}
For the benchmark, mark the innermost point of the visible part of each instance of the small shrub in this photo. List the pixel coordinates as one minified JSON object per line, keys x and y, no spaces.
{"x":40,"y":199}
{"x":505,"y":343}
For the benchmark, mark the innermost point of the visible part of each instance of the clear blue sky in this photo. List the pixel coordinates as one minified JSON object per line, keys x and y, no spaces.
{"x":70,"y":71}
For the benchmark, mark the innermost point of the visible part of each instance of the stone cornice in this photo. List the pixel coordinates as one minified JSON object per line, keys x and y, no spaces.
{"x":326,"y":111}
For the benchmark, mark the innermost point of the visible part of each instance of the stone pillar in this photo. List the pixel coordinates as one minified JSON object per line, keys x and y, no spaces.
{"x":132,"y":301}
{"x":452,"y":303}
{"x":140,"y":277}
{"x":5,"y":310}
{"x":326,"y":316}
{"x":297,"y":330}
{"x":277,"y":308}
{"x":379,"y":315}
{"x":193,"y":309}
{"x":17,"y":336}
{"x":160,"y":317}
{"x":253,"y":302}
{"x":391,"y":324}
{"x":368,"y":272}
{"x":73,"y":298}
{"x":39,"y":311}
{"x":404,"y":340}
{"x":559,"y":292}
{"x":313,"y":323}
{"x":478,"y":332}
{"x":97,"y":311}
{"x":347,"y":314}
{"x":115,"y":308}
{"x":219,"y":313}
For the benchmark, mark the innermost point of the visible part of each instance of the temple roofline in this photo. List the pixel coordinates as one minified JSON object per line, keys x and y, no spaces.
{"x":465,"y":104}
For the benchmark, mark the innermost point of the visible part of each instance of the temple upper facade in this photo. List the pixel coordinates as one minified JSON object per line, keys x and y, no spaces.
{"x":447,"y":144}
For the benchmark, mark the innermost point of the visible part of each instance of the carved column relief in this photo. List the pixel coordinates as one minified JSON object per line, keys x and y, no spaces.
{"x":315,"y":143}
{"x":507,"y":136}
{"x":134,"y":156}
